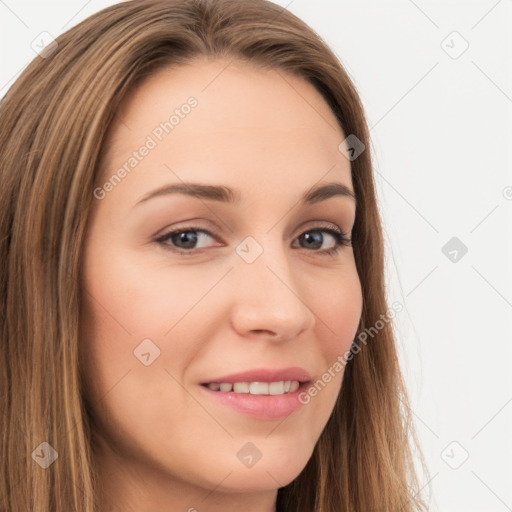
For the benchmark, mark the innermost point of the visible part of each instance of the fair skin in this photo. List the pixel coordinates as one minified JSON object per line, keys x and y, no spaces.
{"x":211,"y":313}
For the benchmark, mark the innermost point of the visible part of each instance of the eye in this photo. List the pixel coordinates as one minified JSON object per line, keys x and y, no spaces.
{"x":186,"y":241}
{"x":314,"y":239}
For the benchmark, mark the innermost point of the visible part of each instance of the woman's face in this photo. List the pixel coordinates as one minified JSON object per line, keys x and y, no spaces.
{"x":248,"y":285}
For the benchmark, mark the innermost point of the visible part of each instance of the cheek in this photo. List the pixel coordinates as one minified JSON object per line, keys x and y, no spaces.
{"x":133,"y":315}
{"x":146,"y":300}
{"x":130,"y":302}
{"x":338,"y":306}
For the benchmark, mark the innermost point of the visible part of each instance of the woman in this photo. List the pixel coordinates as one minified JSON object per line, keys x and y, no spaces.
{"x":193,"y":263}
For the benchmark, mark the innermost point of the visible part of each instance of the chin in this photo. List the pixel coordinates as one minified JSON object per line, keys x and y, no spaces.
{"x":259,"y":480}
{"x":268,"y":473}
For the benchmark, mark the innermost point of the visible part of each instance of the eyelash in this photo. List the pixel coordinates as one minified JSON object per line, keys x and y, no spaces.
{"x":340,"y":237}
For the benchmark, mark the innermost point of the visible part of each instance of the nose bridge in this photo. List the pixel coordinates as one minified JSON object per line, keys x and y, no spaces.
{"x":268,"y":297}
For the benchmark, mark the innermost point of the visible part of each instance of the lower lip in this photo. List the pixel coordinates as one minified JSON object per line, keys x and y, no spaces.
{"x":267,"y":407}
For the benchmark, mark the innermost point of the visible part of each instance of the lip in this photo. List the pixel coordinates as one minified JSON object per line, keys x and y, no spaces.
{"x":264,"y":375}
{"x":263,"y":407}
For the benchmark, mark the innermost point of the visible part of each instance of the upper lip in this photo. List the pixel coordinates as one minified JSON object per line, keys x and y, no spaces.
{"x":264,"y":375}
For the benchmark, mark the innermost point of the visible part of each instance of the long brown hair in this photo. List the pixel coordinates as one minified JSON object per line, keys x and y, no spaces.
{"x":54,"y":121}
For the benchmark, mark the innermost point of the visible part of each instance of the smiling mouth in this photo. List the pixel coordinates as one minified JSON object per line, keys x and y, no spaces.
{"x":255,"y":388}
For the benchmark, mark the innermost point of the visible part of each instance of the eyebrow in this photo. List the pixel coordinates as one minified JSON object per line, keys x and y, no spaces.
{"x":226,"y":194}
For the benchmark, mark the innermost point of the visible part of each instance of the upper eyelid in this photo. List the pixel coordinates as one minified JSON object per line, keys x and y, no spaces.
{"x":318,"y":226}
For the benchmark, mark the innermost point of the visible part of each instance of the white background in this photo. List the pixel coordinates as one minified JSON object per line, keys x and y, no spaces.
{"x":441,"y":131}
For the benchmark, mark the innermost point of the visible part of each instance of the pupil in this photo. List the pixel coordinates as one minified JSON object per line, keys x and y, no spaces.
{"x":188,"y":239}
{"x":312,"y":238}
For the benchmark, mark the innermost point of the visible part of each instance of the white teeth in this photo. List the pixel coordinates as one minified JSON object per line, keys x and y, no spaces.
{"x":257,"y":388}
{"x":241,"y":387}
{"x":294,"y":385}
{"x":276,"y":388}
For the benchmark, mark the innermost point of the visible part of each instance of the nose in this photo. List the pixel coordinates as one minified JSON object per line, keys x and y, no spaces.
{"x":268,"y":300}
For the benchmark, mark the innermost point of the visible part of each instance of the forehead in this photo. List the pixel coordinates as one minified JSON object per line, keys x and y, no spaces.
{"x":249,"y":126}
